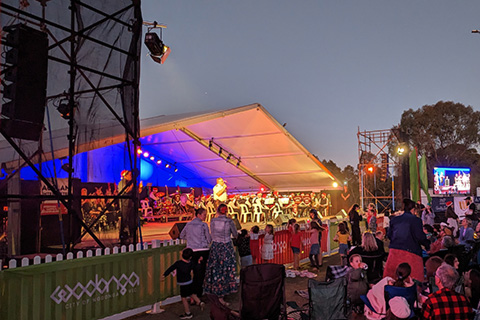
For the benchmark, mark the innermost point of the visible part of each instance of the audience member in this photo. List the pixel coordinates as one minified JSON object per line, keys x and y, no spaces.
{"x":406,"y":238}
{"x":198,"y":238}
{"x":428,"y":216}
{"x":342,"y":237}
{"x":355,"y":219}
{"x":221,"y":267}
{"x":399,"y":309}
{"x":376,"y":294}
{"x":315,"y":254}
{"x":267,"y":247}
{"x":372,"y":218}
{"x":357,"y":283}
{"x":465,"y":235}
{"x":243,"y":244}
{"x":472,"y":287}
{"x":452,"y":217}
{"x":254,"y":245}
{"x":446,"y":303}
{"x":296,"y":245}
{"x":184,"y":269}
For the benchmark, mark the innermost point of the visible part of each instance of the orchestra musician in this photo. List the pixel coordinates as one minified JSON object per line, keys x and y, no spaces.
{"x":324,"y":204}
{"x":154,"y":197}
{"x":220,"y":192}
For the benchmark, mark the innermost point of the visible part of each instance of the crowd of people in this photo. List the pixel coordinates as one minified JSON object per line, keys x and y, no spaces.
{"x":433,"y":260}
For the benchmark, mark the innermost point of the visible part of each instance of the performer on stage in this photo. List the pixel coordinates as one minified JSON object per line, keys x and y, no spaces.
{"x":128,"y":222}
{"x":324,"y":204}
{"x":220,"y":192}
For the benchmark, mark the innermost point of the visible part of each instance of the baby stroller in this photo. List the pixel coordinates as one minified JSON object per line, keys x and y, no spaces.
{"x":263,"y":292}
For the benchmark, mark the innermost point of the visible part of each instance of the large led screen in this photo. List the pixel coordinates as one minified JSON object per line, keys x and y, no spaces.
{"x":451,"y":180}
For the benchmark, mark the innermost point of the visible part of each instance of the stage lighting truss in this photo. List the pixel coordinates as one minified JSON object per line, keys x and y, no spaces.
{"x":147,"y":155}
{"x":223,"y":153}
{"x":159,"y":52}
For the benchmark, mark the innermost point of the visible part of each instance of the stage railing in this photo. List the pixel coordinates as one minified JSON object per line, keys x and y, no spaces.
{"x":108,"y":282}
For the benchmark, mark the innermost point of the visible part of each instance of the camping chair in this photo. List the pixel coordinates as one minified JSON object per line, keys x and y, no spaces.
{"x":409,"y":293}
{"x":327,"y":299}
{"x":147,"y":211}
{"x":262,"y":289}
{"x":375,"y":267}
{"x":220,"y":312}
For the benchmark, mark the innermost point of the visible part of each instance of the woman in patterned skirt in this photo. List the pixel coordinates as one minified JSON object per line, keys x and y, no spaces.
{"x":221,"y":267}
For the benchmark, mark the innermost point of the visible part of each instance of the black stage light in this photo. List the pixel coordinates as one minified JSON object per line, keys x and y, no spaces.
{"x":154,"y":44}
{"x":64,"y":110}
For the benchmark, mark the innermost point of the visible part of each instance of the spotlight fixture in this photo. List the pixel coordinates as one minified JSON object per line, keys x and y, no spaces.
{"x":167,"y":165}
{"x":210,"y":144}
{"x":238,"y":162}
{"x":158,"y":50}
{"x":229,"y":157}
{"x":159,"y":161}
{"x":139,"y":151}
{"x":64,"y":109}
{"x":220,"y":151}
{"x":152,"y":158}
{"x":146,"y":154}
{"x":176,"y":169}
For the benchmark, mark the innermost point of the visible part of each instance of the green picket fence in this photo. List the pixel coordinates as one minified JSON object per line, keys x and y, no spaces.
{"x":93,"y":287}
{"x":88,"y":288}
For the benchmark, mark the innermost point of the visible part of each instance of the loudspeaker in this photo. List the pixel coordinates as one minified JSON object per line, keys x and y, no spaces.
{"x":177,"y":229}
{"x":281,"y":219}
{"x":237,"y":224}
{"x":25,"y":81}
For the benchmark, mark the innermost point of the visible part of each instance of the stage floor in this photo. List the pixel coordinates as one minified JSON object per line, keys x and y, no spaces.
{"x":151,"y":231}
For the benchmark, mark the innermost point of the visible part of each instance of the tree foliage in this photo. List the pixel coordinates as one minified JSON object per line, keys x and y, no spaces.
{"x":349,"y":174}
{"x":445,"y":132}
{"x":448,"y":133}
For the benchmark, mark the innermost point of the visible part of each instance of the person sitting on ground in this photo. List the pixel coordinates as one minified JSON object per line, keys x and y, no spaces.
{"x":376,"y":295}
{"x":399,"y":309}
{"x":357,"y":284}
{"x":369,"y":246}
{"x":379,"y":237}
{"x":472,"y":287}
{"x":184,"y":268}
{"x":446,"y":303}
{"x":466,"y":234}
{"x":430,"y":233}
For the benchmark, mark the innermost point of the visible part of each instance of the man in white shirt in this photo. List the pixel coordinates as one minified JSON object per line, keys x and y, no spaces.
{"x":220,"y":192}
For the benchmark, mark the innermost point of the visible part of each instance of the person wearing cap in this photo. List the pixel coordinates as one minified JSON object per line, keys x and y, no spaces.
{"x":406,"y":240}
{"x":446,"y":303}
{"x":452,"y":217}
{"x":472,"y":212}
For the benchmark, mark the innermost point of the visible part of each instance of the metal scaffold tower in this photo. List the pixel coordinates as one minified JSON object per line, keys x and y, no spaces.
{"x":378,"y":169}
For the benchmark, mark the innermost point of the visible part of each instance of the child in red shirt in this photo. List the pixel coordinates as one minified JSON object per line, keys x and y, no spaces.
{"x":296,"y":245}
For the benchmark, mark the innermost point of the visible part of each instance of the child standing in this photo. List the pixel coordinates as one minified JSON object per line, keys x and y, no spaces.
{"x":296,"y":245}
{"x":184,"y":269}
{"x":342,"y":237}
{"x":267,"y":248}
{"x":357,"y":283}
{"x":254,"y":244}
{"x":315,"y":245}
{"x":243,"y":244}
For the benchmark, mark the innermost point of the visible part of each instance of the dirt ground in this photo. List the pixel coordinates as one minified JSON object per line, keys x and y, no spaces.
{"x":173,"y":311}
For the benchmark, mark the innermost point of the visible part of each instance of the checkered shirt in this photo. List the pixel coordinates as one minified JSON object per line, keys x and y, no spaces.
{"x":446,"y":304}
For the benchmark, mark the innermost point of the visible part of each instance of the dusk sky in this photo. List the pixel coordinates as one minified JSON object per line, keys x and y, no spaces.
{"x":326,"y":68}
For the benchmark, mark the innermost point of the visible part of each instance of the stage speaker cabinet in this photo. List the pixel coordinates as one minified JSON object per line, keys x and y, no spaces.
{"x":237,"y":224}
{"x":177,"y":229}
{"x":281,"y":219}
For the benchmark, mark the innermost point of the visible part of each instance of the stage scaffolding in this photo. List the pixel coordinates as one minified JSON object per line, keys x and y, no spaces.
{"x":377,"y":152}
{"x":93,"y":71}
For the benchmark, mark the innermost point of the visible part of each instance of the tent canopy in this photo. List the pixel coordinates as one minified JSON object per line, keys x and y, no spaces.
{"x":262,"y":152}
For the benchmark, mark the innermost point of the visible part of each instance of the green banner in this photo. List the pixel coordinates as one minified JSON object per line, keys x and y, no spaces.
{"x":88,"y":288}
{"x":414,"y":186}
{"x":423,"y":177}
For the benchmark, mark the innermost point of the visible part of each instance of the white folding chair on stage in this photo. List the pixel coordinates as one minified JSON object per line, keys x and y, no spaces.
{"x":232,"y":212}
{"x":276,"y":211}
{"x":147,"y":211}
{"x":244,"y":213}
{"x":257,"y":213}
{"x":210,"y":211}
